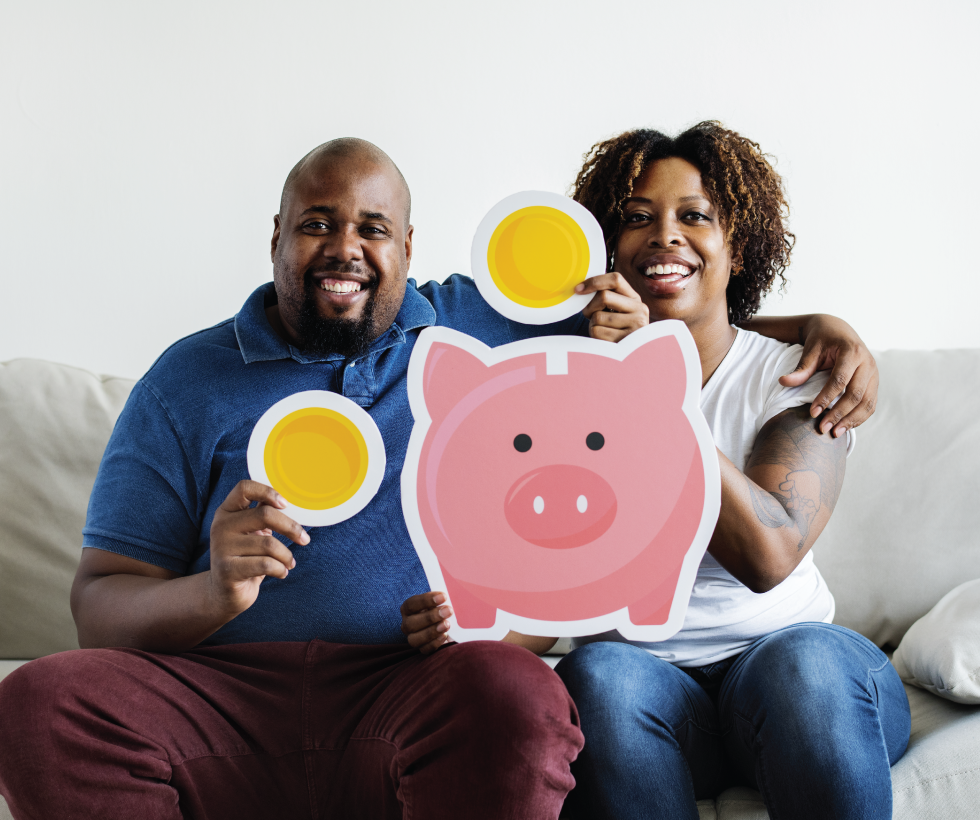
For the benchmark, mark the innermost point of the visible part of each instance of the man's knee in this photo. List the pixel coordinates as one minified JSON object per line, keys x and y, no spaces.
{"x":32,"y":691}
{"x":44,"y":696}
{"x":498,"y":687}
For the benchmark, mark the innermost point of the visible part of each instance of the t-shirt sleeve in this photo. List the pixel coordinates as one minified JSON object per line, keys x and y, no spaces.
{"x":782,"y":398}
{"x":145,"y":503}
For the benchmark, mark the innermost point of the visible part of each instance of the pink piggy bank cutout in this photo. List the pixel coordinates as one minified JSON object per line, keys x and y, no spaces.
{"x":560,"y":486}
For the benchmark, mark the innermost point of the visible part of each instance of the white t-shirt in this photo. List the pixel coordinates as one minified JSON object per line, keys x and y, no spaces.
{"x":724,"y":616}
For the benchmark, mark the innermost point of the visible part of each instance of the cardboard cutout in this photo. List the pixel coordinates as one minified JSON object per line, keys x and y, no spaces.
{"x":529,"y":253}
{"x":321,"y":452}
{"x":560,"y":486}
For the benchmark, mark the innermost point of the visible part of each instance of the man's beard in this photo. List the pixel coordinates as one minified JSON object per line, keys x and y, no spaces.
{"x":348,"y":337}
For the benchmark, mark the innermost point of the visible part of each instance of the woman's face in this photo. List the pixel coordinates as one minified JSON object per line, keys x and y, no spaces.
{"x":672,"y":247}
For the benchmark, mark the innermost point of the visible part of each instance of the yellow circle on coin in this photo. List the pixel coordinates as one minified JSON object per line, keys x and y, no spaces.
{"x":316,"y":458}
{"x":537,"y":255}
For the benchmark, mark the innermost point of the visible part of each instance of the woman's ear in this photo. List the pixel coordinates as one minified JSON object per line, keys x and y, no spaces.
{"x":737,"y":264}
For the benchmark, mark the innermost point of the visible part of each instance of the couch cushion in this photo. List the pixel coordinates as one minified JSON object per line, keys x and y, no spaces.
{"x":941,"y":651}
{"x":55,"y":421}
{"x":904,"y":531}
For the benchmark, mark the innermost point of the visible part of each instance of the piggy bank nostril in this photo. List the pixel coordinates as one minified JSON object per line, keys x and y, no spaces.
{"x":560,"y":506}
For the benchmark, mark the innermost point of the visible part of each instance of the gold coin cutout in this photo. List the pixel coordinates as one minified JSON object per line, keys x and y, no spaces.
{"x":536,"y":256}
{"x":316,"y":458}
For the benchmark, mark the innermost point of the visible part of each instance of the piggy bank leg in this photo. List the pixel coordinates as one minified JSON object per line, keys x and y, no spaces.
{"x":471,"y":612}
{"x":654,"y":609}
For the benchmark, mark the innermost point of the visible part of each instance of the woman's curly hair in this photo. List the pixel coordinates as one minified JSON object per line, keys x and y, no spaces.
{"x":738,"y":179}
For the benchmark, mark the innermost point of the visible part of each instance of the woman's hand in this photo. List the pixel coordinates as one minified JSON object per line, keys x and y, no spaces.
{"x":425,"y":621}
{"x":828,"y":343}
{"x":616,"y":310}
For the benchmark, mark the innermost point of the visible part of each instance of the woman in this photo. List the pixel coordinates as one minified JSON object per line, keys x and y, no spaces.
{"x":758,"y":688}
{"x":708,"y":209}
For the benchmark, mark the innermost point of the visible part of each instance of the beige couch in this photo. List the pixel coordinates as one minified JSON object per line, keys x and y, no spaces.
{"x":904,"y":534}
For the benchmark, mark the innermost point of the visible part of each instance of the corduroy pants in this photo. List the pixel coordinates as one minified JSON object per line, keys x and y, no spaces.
{"x":287,"y":730}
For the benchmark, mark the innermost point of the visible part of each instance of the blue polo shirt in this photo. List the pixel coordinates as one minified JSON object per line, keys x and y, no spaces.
{"x":179,"y":447}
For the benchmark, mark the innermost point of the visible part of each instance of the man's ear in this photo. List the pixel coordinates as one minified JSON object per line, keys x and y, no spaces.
{"x":277,"y":226}
{"x":408,"y":246}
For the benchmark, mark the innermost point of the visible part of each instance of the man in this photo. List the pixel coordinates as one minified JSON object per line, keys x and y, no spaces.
{"x":260,"y":670}
{"x":245,"y":716}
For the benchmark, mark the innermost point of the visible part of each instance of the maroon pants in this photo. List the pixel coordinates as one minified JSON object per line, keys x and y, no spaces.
{"x":287,"y":730}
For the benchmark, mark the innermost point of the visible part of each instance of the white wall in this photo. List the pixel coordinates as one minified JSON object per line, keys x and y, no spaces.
{"x":143,"y":146}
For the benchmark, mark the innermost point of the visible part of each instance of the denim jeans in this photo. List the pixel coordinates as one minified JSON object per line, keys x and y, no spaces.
{"x":812,"y":715}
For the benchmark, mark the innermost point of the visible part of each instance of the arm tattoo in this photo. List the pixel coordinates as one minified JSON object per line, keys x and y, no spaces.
{"x":814,"y":471}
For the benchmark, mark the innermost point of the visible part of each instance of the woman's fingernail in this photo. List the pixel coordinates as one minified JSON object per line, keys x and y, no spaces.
{"x":438,"y":598}
{"x":445,"y":612}
{"x":825,"y":426}
{"x":293,"y":564}
{"x":580,"y":287}
{"x":816,"y":411}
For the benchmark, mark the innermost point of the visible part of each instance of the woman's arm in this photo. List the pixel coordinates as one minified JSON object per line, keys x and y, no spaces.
{"x":773,"y":512}
{"x":828,"y":342}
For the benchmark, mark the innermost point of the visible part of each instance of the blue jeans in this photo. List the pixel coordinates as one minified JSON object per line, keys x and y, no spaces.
{"x":812,"y":715}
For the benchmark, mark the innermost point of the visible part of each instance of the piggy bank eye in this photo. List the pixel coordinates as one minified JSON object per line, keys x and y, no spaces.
{"x":522,"y":443}
{"x":594,"y":441}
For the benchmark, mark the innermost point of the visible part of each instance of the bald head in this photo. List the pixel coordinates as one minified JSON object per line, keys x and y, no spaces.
{"x":344,"y":150}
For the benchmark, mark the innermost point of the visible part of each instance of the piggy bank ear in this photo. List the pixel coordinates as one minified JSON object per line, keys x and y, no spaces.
{"x":449,"y":374}
{"x":660,"y":364}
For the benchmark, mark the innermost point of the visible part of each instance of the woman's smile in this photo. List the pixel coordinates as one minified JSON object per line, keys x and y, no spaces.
{"x":666,"y":273}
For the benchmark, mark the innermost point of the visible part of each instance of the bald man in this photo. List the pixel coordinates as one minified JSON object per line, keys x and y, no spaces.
{"x":257,"y":669}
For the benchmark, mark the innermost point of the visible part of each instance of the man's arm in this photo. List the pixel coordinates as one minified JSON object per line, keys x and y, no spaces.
{"x":828,"y":342}
{"x":773,"y":512}
{"x":119,"y":601}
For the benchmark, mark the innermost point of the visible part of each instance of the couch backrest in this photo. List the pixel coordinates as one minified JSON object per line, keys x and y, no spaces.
{"x":54,"y":424}
{"x":904,"y":533}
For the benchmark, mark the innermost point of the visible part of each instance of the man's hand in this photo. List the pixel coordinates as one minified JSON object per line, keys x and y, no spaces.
{"x":616,"y":310}
{"x":832,"y":343}
{"x":243,"y":550}
{"x":425,"y":621}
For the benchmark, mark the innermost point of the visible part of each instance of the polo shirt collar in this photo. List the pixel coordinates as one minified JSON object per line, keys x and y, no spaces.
{"x":260,"y":343}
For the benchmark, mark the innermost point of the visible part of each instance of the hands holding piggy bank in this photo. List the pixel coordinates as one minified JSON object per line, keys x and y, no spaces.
{"x":560,"y":486}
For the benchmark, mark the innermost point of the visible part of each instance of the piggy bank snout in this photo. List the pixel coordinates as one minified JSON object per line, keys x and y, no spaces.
{"x":560,"y":506}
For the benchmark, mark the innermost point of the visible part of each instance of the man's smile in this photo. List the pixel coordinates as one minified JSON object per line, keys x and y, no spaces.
{"x":342,"y":289}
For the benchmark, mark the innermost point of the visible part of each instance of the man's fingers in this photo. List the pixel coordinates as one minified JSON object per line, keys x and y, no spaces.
{"x":247,"y":492}
{"x":420,"y":637}
{"x":808,"y":365}
{"x":420,"y":603}
{"x":855,"y":406}
{"x":257,"y":519}
{"x":841,"y":376}
{"x":430,"y":622}
{"x":243,"y":567}
{"x":261,"y":545}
